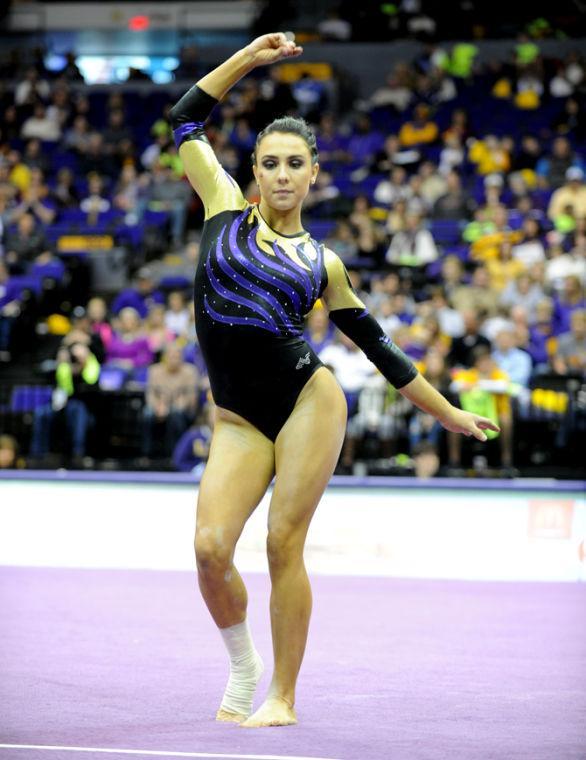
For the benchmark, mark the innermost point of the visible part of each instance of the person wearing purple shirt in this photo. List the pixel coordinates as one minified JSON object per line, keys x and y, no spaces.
{"x":141,"y":297}
{"x":572,"y":299}
{"x":319,"y":331}
{"x":365,"y":141}
{"x":129,"y":347}
{"x":9,"y":310}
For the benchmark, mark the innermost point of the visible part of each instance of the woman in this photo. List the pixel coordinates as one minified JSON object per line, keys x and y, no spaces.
{"x":279,"y":410}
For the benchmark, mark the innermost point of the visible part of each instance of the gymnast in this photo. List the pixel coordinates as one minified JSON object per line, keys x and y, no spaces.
{"x":280,"y":412}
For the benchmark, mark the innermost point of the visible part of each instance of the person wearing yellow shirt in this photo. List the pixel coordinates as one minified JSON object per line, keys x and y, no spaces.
{"x":484,"y":386}
{"x":504,"y":268}
{"x":572,"y":195}
{"x":489,"y":155}
{"x":422,"y":130}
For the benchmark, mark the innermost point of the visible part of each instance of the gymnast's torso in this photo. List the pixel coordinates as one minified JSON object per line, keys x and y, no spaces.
{"x":253,"y":288}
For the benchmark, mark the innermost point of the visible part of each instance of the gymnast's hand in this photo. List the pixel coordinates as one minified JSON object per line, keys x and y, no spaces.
{"x":459,"y":421}
{"x":271,"y":48}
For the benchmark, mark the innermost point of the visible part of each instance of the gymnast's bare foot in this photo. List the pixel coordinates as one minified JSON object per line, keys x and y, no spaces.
{"x":229,"y":717}
{"x":275,"y":711}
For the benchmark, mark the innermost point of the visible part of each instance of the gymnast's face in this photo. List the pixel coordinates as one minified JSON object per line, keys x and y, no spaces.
{"x":283,"y":170}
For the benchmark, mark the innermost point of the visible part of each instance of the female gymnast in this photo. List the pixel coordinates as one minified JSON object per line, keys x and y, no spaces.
{"x":280,"y":412}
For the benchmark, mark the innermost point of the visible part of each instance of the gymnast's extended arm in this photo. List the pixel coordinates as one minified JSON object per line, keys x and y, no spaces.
{"x":215,"y":187}
{"x":350,"y":315}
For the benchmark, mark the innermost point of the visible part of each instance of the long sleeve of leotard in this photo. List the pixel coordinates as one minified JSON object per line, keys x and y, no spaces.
{"x":216,"y":188}
{"x":350,"y":315}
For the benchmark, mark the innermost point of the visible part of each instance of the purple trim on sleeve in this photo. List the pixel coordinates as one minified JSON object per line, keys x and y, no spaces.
{"x":186,"y":129}
{"x":365,"y":313}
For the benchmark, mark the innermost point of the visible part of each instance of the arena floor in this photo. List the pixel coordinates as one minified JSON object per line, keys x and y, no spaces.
{"x":118,"y":662}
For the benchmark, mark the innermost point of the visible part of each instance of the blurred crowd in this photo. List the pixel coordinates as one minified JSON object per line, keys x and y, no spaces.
{"x":455,"y":194}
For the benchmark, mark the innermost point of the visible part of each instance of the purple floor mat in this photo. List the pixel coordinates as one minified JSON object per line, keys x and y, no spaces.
{"x":395,"y":669}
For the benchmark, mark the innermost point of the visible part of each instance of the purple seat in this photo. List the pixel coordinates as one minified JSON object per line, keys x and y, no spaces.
{"x":26,"y":398}
{"x":112,"y":378}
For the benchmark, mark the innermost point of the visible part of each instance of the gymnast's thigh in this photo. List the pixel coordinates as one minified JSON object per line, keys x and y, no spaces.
{"x":240,"y":467}
{"x":306,"y":453}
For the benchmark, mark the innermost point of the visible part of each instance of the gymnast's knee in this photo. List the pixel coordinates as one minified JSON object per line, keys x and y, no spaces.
{"x":213,"y":553}
{"x":284,"y":546}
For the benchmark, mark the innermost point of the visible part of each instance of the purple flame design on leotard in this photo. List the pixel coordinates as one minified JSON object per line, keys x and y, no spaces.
{"x":253,"y":288}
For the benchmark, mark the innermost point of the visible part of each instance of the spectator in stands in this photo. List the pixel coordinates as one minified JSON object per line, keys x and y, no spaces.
{"x":572,"y":297}
{"x":157,"y":332}
{"x":349,"y":365}
{"x":27,"y":245}
{"x":422,"y":426}
{"x":422,"y":130}
{"x":552,"y":168}
{"x":365,"y":141}
{"x":324,"y":198}
{"x":129,"y":348}
{"x":81,"y":333}
{"x":171,"y":399}
{"x":34,"y":157}
{"x":59,"y":110}
{"x":129,"y":191}
{"x":9,"y":453}
{"x":116,"y":133}
{"x":193,"y":448}
{"x":570,"y":354}
{"x":393,"y":189}
{"x":168,"y":193}
{"x":512,"y":360}
{"x":490,"y":155}
{"x":561,"y":265}
{"x":319,"y":331}
{"x":462,"y":349}
{"x":78,"y":137}
{"x":542,"y":343}
{"x":35,"y":199}
{"x":64,"y":193}
{"x":390,"y":156}
{"x":97,"y":313}
{"x":571,"y":195}
{"x":95,"y":203}
{"x":450,"y":320}
{"x":334,"y":28}
{"x":455,"y":203}
{"x":504,"y":268}
{"x":32,"y":88}
{"x":369,"y":234}
{"x":484,"y":386}
{"x":177,"y":314}
{"x":412,"y":247}
{"x":77,"y":376}
{"x":141,"y":296}
{"x":9,"y":311}
{"x":522,"y":292}
{"x":40,"y":126}
{"x":94,"y":159}
{"x":342,"y":241}
{"x":433,"y":185}
{"x":571,"y":121}
{"x":395,"y":93}
{"x":530,"y":249}
{"x":330,"y":143}
{"x":71,"y":70}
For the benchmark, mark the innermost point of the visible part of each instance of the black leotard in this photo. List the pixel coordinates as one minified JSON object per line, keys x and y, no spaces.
{"x":253,"y":287}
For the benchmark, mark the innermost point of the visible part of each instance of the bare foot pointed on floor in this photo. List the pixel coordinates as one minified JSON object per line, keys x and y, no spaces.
{"x":275,"y":711}
{"x":229,"y":717}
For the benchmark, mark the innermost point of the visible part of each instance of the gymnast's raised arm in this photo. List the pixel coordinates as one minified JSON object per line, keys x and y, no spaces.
{"x":351,"y":316}
{"x":217,"y":190}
